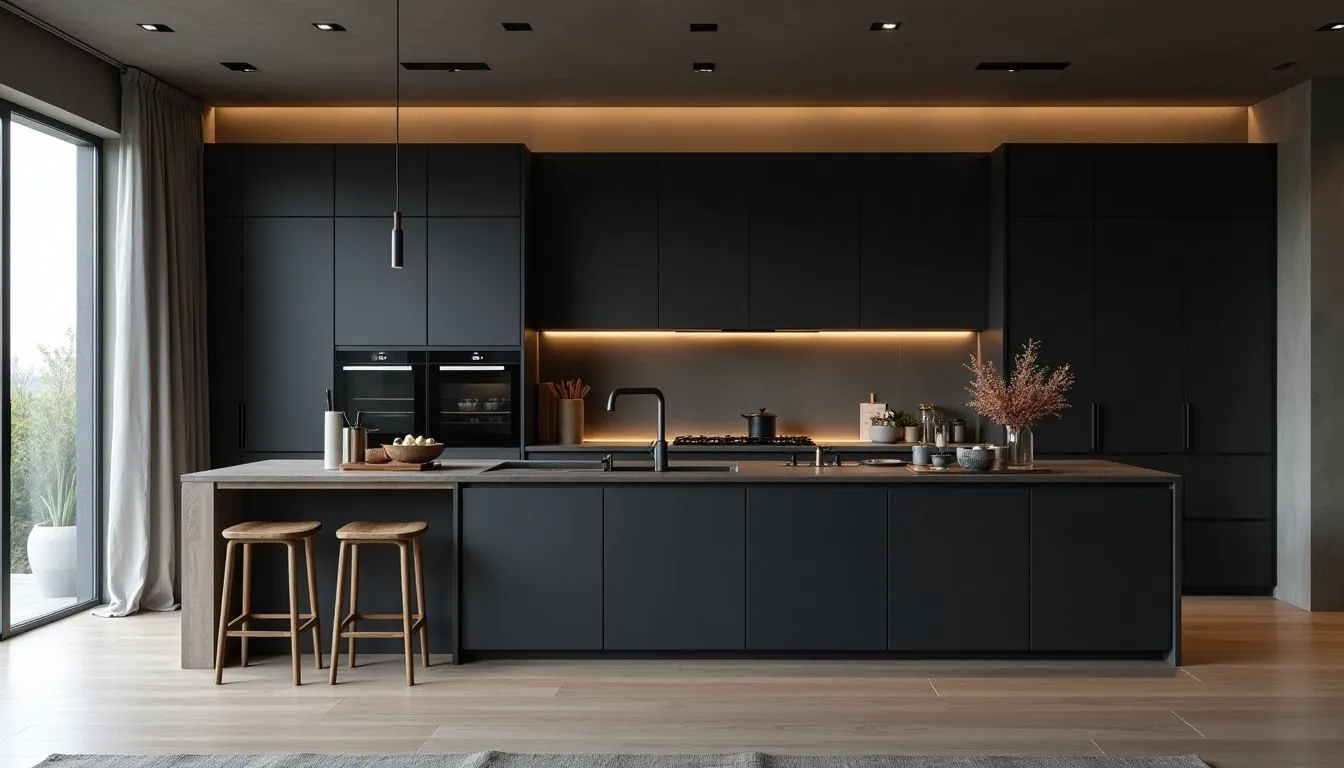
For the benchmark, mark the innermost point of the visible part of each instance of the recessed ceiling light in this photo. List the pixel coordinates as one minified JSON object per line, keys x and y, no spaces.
{"x":703,"y":66}
{"x":1334,"y":26}
{"x":327,"y":26}
{"x":517,"y":26}
{"x":1023,"y":66}
{"x":1287,"y":65}
{"x":704,"y":27}
{"x":446,"y":66}
{"x":155,"y":27}
{"x":884,"y":26}
{"x":238,"y":66}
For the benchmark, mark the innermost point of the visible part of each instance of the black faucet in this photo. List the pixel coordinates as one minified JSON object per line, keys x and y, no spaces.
{"x":659,"y":445}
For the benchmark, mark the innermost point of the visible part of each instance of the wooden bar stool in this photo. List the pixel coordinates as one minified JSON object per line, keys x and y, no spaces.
{"x":406,"y":537}
{"x":288,"y":534}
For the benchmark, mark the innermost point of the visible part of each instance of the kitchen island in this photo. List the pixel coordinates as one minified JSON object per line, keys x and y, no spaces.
{"x":754,"y":559}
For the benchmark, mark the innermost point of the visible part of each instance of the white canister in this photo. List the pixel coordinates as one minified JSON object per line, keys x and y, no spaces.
{"x":331,"y":443}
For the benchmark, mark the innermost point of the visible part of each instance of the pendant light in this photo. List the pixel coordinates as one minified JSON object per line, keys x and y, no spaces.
{"x":398,"y":243}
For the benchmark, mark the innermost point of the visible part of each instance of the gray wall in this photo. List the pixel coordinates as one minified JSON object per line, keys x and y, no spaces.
{"x":43,"y":73}
{"x":813,"y":382}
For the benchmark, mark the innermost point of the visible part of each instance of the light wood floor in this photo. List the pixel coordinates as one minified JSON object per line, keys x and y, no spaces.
{"x":1264,"y":687}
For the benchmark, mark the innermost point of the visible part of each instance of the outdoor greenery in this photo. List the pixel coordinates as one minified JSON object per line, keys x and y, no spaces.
{"x":42,"y":447}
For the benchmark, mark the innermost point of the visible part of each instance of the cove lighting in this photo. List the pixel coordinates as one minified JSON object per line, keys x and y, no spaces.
{"x":755,"y":335}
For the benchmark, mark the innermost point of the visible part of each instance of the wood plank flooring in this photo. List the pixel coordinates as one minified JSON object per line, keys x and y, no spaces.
{"x":1263,"y":688}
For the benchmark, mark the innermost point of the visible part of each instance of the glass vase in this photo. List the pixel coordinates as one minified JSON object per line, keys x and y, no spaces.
{"x":1020,"y":450}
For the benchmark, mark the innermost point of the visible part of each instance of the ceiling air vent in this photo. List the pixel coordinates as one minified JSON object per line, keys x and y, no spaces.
{"x":446,"y":66}
{"x":1022,"y":66}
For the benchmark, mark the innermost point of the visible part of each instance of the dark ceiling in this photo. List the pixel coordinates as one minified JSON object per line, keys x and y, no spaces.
{"x":768,"y":52}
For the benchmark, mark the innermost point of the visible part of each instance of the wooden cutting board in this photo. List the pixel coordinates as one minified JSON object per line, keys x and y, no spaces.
{"x":955,"y":469}
{"x":391,"y":466}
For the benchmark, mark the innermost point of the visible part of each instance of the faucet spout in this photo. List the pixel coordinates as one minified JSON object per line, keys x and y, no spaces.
{"x":659,"y":445}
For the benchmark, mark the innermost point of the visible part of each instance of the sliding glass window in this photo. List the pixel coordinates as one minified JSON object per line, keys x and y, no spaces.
{"x":49,"y":227}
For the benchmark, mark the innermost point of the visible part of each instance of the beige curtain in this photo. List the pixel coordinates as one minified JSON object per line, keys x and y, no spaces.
{"x":159,"y":397}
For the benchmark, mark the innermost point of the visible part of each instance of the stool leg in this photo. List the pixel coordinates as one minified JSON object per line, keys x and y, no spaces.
{"x":336,"y":614}
{"x":247,"y":597}
{"x":420,"y":599}
{"x":406,"y":611}
{"x":312,"y":599}
{"x":354,"y":597}
{"x":225,"y":597}
{"x":293,"y":555}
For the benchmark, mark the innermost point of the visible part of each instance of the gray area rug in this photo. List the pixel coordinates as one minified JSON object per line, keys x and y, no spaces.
{"x":522,"y":760}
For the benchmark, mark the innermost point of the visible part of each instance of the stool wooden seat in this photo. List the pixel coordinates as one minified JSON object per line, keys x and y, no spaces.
{"x":289,"y":535}
{"x":406,"y":537}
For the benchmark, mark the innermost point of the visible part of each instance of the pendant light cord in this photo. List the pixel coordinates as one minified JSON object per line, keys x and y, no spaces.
{"x":397,"y":150}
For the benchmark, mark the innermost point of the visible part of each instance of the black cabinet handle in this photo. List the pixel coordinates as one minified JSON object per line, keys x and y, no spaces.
{"x":242,"y":425}
{"x":1186,"y":415}
{"x":1096,"y":427}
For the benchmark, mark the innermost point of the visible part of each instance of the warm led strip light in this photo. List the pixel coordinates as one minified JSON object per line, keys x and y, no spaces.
{"x":753,"y":335}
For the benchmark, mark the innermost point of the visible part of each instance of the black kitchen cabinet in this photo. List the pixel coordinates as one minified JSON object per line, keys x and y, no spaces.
{"x":366,"y":179}
{"x":953,"y":592}
{"x":1139,"y":379}
{"x":532,"y":568}
{"x":287,"y":331}
{"x":674,"y":573}
{"x":1093,"y":584}
{"x":924,"y":241}
{"x":1229,"y":487}
{"x":1230,"y":334}
{"x":703,"y":229}
{"x":1048,"y":179}
{"x":476,"y":180}
{"x":1050,"y":300}
{"x":378,"y":305}
{"x":1137,"y":180}
{"x":224,"y":283}
{"x":288,"y":180}
{"x":1228,"y":556}
{"x":595,"y":260}
{"x":223,"y":172}
{"x":475,"y":282}
{"x":804,"y":242}
{"x":816,"y":568}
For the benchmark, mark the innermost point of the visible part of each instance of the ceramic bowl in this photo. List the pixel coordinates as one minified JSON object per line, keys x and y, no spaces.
{"x":885,"y":434}
{"x":977,"y":458}
{"x":940,"y":459}
{"x":413,"y":454}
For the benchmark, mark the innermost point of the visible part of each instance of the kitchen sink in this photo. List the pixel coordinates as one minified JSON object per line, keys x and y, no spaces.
{"x":548,"y":465}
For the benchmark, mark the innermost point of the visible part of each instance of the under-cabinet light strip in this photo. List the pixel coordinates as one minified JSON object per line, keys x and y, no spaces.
{"x":376,"y":368}
{"x":471,"y":367}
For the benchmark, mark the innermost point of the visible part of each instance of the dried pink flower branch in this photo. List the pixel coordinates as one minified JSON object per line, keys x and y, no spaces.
{"x":1033,"y":393}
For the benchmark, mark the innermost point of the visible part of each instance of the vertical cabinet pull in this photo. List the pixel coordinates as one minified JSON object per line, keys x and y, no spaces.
{"x":1096,"y":427}
{"x":242,"y":425}
{"x":1186,"y":435}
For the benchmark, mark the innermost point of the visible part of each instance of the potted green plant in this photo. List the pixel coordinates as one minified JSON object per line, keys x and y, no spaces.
{"x":909,"y":426}
{"x":52,"y":543}
{"x":888,"y":427}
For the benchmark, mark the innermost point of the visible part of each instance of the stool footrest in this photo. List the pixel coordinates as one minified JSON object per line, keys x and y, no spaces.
{"x":266,"y":617}
{"x":372,"y":634}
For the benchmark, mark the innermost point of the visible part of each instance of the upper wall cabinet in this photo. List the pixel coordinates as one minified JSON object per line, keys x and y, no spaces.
{"x":475,"y":282}
{"x":804,"y":242}
{"x":288,"y":180}
{"x":1185,"y":179}
{"x":379,"y":306}
{"x":224,"y":179}
{"x":1048,"y":179}
{"x":703,"y":229}
{"x":924,"y":241}
{"x":594,"y":260}
{"x":366,"y":179}
{"x":476,"y":180}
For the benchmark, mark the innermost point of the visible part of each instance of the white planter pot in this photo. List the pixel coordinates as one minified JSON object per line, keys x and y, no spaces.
{"x":53,"y":554}
{"x":911,"y":434}
{"x":884,"y":434}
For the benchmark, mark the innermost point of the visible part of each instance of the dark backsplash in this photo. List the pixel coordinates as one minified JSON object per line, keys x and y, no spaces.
{"x":814,"y":382}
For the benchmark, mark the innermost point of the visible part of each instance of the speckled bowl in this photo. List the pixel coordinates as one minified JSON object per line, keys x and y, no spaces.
{"x":977,"y":458}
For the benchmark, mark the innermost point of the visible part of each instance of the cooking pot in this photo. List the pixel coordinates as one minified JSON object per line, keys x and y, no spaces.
{"x":760,"y":424}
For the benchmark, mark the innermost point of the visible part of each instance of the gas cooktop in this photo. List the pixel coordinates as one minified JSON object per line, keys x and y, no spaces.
{"x":742,"y":440}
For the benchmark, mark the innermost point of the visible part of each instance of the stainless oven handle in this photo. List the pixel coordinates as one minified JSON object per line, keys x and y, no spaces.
{"x":376,"y":368}
{"x":471,"y":367}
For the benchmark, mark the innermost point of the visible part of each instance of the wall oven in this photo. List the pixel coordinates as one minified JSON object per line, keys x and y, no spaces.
{"x":384,"y":390}
{"x":474,"y":399}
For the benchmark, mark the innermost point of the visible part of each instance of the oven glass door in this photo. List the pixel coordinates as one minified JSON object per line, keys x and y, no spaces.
{"x":474,"y":405}
{"x":384,"y":398}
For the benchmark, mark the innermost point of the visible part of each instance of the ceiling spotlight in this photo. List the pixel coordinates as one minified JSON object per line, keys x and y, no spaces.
{"x":704,"y":26}
{"x":238,"y":66}
{"x":327,"y":26}
{"x":1333,"y":26}
{"x":884,"y":26}
{"x":155,"y":27}
{"x":703,"y":66}
{"x":516,"y":26}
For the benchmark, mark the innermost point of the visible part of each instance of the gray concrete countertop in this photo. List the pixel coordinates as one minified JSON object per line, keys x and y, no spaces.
{"x":452,"y":473}
{"x":859,"y":446}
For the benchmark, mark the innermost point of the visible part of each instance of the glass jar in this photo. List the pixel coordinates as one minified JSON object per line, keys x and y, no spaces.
{"x":1019,"y":450}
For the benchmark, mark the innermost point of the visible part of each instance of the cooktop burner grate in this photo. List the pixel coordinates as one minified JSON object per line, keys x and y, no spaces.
{"x":742,"y":440}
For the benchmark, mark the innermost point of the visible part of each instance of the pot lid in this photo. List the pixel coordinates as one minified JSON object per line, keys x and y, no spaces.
{"x":759,"y":412}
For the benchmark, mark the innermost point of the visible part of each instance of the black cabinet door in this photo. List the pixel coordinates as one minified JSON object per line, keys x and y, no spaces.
{"x":674,"y":574}
{"x":959,"y":569}
{"x":532,"y":568}
{"x":475,"y":282}
{"x":379,"y":306}
{"x":804,"y":242}
{"x":1228,"y":556}
{"x":224,"y":283}
{"x":1230,"y":334}
{"x":596,"y":242}
{"x":1229,"y":487}
{"x":816,"y":568}
{"x":366,"y":180}
{"x":1140,"y":338}
{"x":1101,"y":568}
{"x":288,"y":180}
{"x":703,"y":226}
{"x":924,"y":241}
{"x":1185,"y":179}
{"x":1049,"y":179}
{"x":1050,"y":277}
{"x":223,"y":172}
{"x":475,"y":180}
{"x":287,"y":331}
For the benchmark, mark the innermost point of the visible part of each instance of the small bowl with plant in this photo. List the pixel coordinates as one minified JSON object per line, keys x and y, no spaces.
{"x":888,"y":427}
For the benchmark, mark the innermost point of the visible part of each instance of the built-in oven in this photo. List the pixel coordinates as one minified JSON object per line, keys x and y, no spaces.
{"x":474,"y":399}
{"x":384,"y":391}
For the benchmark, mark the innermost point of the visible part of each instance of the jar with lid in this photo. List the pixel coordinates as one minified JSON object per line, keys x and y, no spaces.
{"x":929,"y":416}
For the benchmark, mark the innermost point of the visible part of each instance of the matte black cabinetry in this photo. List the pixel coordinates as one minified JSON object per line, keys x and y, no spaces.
{"x":287,"y":331}
{"x":378,"y":305}
{"x":1047,"y":179}
{"x":953,"y":591}
{"x":475,"y":180}
{"x":703,"y":230}
{"x":1228,"y":556}
{"x":1093,"y":584}
{"x":224,"y":285}
{"x":816,"y":568}
{"x":288,"y":180}
{"x":1225,"y":487}
{"x":532,"y":568}
{"x":674,"y":574}
{"x":366,"y":180}
{"x":475,"y":282}
{"x":1136,"y":180}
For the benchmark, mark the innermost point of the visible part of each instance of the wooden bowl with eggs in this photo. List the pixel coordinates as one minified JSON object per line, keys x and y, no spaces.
{"x":412,"y":451}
